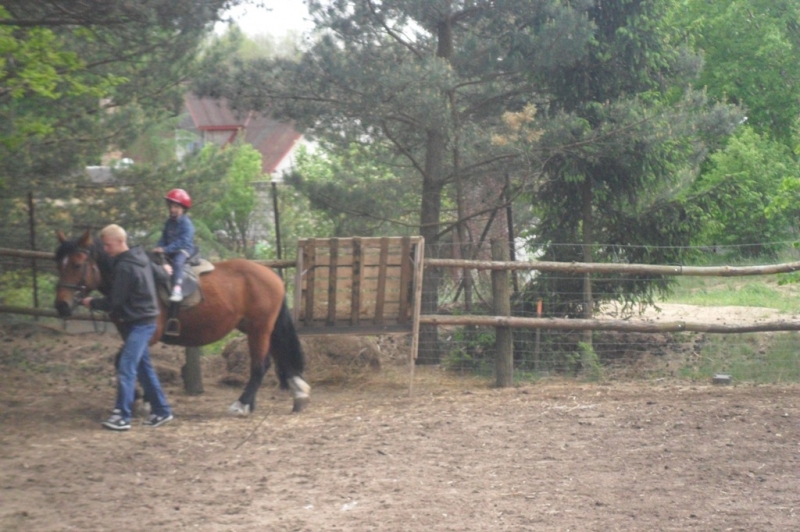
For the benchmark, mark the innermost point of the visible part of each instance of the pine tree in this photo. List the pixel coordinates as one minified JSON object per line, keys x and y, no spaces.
{"x":428,"y":78}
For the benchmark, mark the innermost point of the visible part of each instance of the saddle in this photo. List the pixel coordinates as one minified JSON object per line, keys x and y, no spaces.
{"x":192,"y":295}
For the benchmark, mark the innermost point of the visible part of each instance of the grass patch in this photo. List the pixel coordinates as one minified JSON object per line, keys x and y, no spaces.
{"x":751,"y":357}
{"x":748,"y":358}
{"x":714,"y":292}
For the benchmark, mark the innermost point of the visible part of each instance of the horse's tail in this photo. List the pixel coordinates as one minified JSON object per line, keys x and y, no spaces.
{"x":286,"y":349}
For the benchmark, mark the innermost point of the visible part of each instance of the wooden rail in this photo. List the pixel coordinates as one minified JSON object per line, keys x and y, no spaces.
{"x":643,"y":326}
{"x":26,"y":254}
{"x":593,"y":267}
{"x":9,"y":309}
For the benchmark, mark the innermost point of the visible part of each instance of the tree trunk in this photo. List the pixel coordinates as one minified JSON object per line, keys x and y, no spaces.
{"x":430,"y":214}
{"x":429,"y":349}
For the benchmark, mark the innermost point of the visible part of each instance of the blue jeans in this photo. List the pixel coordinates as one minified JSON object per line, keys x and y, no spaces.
{"x":178,"y":260}
{"x":134,"y":361}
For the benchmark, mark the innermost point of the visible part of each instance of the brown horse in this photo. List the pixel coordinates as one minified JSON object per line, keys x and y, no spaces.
{"x":237,"y":294}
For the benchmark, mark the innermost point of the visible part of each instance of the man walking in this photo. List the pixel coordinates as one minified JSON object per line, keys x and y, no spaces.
{"x":133,"y":306}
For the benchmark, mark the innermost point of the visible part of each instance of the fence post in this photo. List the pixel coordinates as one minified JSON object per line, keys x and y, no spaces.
{"x":32,"y":228}
{"x":504,"y":342}
{"x":191,"y":371}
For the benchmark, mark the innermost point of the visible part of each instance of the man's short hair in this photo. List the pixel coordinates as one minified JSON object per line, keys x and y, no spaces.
{"x":114,"y":231}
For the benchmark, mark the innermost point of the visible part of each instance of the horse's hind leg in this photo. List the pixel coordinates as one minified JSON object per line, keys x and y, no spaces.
{"x":301,"y":392}
{"x":259,"y":363}
{"x":289,"y":359}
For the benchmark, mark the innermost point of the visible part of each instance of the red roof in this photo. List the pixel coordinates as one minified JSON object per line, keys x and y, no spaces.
{"x":273,"y":139}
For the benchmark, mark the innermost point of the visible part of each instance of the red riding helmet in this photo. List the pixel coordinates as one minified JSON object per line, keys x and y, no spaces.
{"x":179,"y":196}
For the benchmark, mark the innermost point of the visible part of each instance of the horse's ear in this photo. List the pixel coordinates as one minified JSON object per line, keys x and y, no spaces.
{"x":60,"y":236}
{"x":86,"y":239}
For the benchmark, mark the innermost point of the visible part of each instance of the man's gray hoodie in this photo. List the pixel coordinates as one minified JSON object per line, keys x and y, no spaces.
{"x":132,"y":299}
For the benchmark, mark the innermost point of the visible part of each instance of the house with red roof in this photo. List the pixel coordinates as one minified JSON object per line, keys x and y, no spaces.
{"x":214,"y":121}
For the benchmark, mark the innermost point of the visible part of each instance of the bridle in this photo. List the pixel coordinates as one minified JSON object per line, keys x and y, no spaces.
{"x":81,"y":289}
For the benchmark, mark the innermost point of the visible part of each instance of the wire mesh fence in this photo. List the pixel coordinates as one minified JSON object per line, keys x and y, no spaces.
{"x":769,"y":356}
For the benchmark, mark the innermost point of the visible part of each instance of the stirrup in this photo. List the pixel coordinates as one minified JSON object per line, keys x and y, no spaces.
{"x":173,"y":327}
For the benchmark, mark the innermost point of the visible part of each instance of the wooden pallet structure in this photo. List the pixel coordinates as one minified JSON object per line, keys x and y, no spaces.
{"x":360,"y":286}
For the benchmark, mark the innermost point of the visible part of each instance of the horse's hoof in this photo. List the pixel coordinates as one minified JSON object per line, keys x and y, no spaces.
{"x":238,"y":409}
{"x":300,"y":404}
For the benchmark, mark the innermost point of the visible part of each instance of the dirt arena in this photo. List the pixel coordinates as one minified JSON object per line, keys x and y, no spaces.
{"x":458,"y":456}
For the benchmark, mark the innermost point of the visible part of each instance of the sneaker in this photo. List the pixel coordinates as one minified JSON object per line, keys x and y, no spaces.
{"x":117,"y":422}
{"x":177,"y":294}
{"x":156,"y":421}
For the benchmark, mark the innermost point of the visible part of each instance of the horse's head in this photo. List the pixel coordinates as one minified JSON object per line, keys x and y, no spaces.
{"x":78,"y":271}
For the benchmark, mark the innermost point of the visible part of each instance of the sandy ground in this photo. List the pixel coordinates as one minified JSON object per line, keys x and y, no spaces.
{"x":457,"y":456}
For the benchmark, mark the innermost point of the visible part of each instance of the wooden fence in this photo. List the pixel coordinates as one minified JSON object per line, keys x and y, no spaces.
{"x":502,"y":321}
{"x":499,"y":321}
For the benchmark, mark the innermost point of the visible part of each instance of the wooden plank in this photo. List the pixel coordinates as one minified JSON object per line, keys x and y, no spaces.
{"x":299,"y":277}
{"x":332,"y":278}
{"x":368,"y":281}
{"x":364,"y":330}
{"x":405,"y":279}
{"x":309,"y":260}
{"x":380,"y":296}
{"x":355,"y":288}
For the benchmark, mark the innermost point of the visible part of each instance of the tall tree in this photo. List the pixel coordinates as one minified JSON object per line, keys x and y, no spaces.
{"x":431,"y":78}
{"x":622,"y":139}
{"x":78,"y":79}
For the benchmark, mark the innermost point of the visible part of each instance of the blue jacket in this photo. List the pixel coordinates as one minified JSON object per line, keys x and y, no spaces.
{"x":178,"y":235}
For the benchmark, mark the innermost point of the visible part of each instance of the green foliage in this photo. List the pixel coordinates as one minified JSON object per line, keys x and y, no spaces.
{"x":16,"y":287}
{"x":136,"y":201}
{"x":741,"y":197}
{"x":233,"y":207}
{"x":752,"y":57}
{"x":470,"y":351}
{"x":37,"y":67}
{"x":357,"y":192}
{"x":590,"y":366}
{"x":78,"y":83}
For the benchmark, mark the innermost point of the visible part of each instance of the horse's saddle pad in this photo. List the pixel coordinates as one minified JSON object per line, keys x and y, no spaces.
{"x":192,"y":295}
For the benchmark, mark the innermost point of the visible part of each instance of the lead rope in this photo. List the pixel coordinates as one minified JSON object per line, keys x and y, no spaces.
{"x":253,"y":431}
{"x":99,"y":329}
